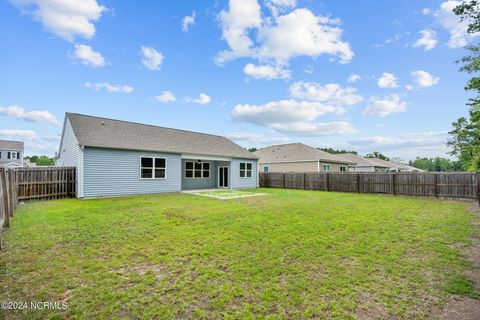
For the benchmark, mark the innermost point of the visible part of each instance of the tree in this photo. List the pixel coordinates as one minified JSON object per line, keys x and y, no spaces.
{"x":41,"y":160}
{"x":465,"y":141}
{"x":335,"y":151}
{"x":376,"y":154}
{"x":435,"y":164}
{"x":252,"y":149}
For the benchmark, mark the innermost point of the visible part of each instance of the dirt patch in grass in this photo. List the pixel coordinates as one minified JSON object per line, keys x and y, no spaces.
{"x":465,"y":304}
{"x":159,"y":270}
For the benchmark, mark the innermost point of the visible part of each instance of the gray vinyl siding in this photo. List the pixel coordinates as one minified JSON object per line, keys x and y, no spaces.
{"x":109,"y":172}
{"x":69,"y":152}
{"x":236,"y":181}
{"x":4,"y":157}
{"x":69,"y":149}
{"x":200,"y":183}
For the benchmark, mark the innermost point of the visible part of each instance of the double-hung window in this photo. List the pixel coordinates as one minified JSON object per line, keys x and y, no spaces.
{"x":343,"y":169}
{"x":197,"y":170}
{"x":326,"y":167}
{"x":246,"y":170}
{"x":153,"y":168}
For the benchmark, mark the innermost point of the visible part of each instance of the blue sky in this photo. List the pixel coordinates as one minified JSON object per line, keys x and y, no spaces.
{"x":362,"y":75}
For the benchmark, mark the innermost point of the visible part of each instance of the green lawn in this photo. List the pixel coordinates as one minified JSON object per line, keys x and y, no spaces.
{"x":291,"y":254}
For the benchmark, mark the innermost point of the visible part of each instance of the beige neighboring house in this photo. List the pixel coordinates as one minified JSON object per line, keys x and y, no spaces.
{"x":298,"y":157}
{"x":375,"y":164}
{"x":11,"y":153}
{"x":363,"y":164}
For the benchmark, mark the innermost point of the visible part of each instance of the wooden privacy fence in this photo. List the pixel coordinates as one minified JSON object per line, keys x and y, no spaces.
{"x":38,"y":183}
{"x":457,"y":185}
{"x":45,"y":183}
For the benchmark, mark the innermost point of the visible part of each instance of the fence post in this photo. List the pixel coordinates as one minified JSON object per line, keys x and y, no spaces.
{"x":478,"y":187}
{"x":328,"y":182}
{"x":6,"y":211}
{"x":435,"y":185}
{"x":304,"y":178}
{"x":12,"y":191}
{"x":69,"y":191}
{"x":283,"y":177}
{"x":394,"y":178}
{"x":358,"y":182}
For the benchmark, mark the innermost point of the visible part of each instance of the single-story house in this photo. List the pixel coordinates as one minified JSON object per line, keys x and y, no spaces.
{"x":298,"y":157}
{"x":11,"y":153}
{"x":363,"y":164}
{"x":375,"y":164}
{"x":115,"y":157}
{"x":395,"y":167}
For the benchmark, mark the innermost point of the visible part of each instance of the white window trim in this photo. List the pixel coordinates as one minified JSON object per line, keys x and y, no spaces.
{"x":345,"y":169}
{"x":327,"y":166}
{"x":201,"y":170}
{"x":240,"y":171}
{"x":268,"y":168}
{"x":153,"y":168}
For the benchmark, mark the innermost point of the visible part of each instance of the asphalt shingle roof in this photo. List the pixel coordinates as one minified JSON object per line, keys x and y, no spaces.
{"x":296,"y":152}
{"x":361,"y":161}
{"x":11,"y":145}
{"x":93,"y":131}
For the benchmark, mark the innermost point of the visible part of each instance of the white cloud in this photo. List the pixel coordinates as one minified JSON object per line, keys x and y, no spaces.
{"x":410,"y":144}
{"x":17,"y":112}
{"x":279,"y":6}
{"x":315,"y":129}
{"x":188,"y":21}
{"x":256,"y":138}
{"x":65,"y":18}
{"x":152,"y":59}
{"x":331,"y":93}
{"x":459,"y":37}
{"x":426,"y":11}
{"x":268,"y":72}
{"x":354,"y":78}
{"x":424,"y":79}
{"x":300,"y":117}
{"x":409,"y":87}
{"x":428,"y":40}
{"x":166,"y":97}
{"x":16,"y":134}
{"x":283,"y":111}
{"x":281,"y":37}
{"x":88,"y":57}
{"x":293,"y":117}
{"x":301,"y":33}
{"x":309,"y":69}
{"x":241,"y":16}
{"x":113,"y":88}
{"x":388,"y":41}
{"x":386,"y":106}
{"x":387,"y":80}
{"x":202,"y":99}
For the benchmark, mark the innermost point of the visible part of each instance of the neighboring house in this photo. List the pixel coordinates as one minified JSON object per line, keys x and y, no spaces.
{"x":363,"y":164}
{"x":394,"y":167}
{"x":375,"y":164}
{"x":115,"y":157}
{"x":11,"y":153}
{"x":298,"y":157}
{"x":27,"y":163}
